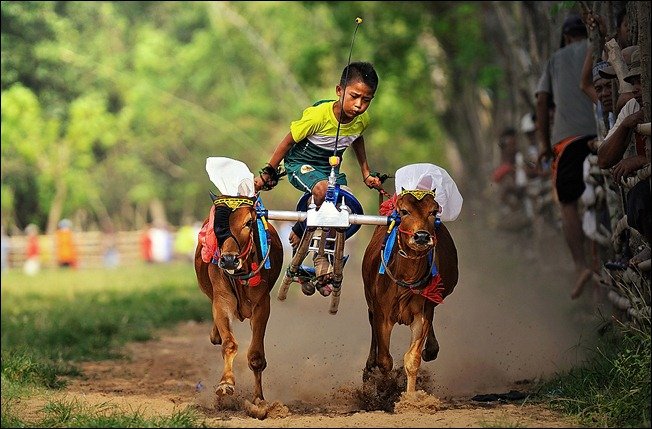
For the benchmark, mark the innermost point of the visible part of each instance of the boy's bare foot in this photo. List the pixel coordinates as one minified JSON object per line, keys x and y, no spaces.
{"x":641,"y":256}
{"x":582,"y":280}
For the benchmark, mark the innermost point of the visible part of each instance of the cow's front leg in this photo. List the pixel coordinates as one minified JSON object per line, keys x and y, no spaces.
{"x":372,"y":359}
{"x":412,"y":358}
{"x":229,"y":350}
{"x":256,"y":353}
{"x":431,"y":350}
{"x":384,"y":326}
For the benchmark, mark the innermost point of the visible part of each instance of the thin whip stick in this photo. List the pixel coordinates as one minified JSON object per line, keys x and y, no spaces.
{"x":358,"y":21}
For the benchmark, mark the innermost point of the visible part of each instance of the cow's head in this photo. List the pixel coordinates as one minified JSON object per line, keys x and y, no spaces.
{"x":234,"y":226}
{"x":417,"y":210}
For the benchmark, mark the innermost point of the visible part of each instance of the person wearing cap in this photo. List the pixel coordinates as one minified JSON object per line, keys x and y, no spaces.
{"x":609,"y":73}
{"x":625,"y":151}
{"x":566,"y":142}
{"x":611,"y":207}
{"x":595,"y":22}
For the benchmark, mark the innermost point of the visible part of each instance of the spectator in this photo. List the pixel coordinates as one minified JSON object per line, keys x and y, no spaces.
{"x":506,"y":174}
{"x":611,"y":205}
{"x":537,"y":187}
{"x":32,"y":251}
{"x":595,"y":23}
{"x":596,"y":215}
{"x":5,"y":250}
{"x":185,"y":242}
{"x":146,"y":244}
{"x":66,"y":249}
{"x":626,"y":151}
{"x":111,"y":254}
{"x":567,"y":142}
{"x":608,"y":72}
{"x":162,"y":242}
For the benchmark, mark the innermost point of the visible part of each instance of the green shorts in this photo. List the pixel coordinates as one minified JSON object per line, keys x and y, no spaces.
{"x":304,"y":176}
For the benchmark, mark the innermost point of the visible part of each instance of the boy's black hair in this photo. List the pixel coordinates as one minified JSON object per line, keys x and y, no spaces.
{"x":360,"y":71}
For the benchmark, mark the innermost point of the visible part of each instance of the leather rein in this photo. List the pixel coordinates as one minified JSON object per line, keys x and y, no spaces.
{"x":410,"y":285}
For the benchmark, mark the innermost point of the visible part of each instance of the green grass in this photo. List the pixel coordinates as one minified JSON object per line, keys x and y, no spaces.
{"x":58,"y":318}
{"x":53,"y":321}
{"x":73,"y":414}
{"x":613,"y":388}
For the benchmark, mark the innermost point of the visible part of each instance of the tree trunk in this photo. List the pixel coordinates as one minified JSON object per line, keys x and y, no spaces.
{"x":643,"y":19}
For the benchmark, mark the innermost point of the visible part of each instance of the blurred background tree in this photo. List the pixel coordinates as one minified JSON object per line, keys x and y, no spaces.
{"x":110,"y":109}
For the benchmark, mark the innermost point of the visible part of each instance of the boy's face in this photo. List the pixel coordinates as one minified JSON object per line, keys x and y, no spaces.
{"x":357,"y":97}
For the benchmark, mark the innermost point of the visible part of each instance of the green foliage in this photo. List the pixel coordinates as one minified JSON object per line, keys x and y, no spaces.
{"x":613,"y":388}
{"x":146,"y":91}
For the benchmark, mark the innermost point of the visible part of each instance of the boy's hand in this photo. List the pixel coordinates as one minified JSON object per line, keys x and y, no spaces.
{"x":373,"y":182}
{"x":258,"y":184}
{"x":268,"y":177}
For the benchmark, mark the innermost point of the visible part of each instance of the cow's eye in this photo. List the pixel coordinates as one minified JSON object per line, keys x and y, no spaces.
{"x":249,"y":224}
{"x":404,"y":212}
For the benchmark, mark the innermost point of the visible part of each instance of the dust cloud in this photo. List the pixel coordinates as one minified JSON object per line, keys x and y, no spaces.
{"x":509,"y":320}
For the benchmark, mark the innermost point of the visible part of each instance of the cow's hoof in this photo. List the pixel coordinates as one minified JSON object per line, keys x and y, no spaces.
{"x":429,"y":355}
{"x":225,"y":389}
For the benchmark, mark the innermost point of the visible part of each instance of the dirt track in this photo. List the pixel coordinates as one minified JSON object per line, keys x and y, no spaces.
{"x":509,"y":321}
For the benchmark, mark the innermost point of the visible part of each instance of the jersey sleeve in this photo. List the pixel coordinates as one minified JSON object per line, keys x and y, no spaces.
{"x":309,"y":124}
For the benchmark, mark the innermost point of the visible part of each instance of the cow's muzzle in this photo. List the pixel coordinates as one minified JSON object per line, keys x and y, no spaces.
{"x":229,"y":261}
{"x":422,"y":238}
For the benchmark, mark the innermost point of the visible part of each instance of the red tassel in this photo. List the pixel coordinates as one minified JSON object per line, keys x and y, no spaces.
{"x":435,"y":290}
{"x":255,"y":280}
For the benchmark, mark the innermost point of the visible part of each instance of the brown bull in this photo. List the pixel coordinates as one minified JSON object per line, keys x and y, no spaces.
{"x":397,"y":295}
{"x":239,"y":285}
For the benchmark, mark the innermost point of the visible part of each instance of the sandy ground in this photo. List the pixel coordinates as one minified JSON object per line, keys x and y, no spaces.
{"x":509,"y":322}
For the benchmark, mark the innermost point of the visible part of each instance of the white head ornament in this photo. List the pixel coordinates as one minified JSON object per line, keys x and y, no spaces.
{"x":232,"y":177}
{"x":429,"y":177}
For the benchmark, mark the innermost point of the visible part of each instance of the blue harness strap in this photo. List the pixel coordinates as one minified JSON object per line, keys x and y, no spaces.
{"x":263,"y":241}
{"x":390,"y":240}
{"x":262,"y":226}
{"x":434,"y":270}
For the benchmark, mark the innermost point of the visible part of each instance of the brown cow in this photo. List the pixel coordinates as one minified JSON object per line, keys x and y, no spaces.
{"x":396,"y":296}
{"x":239,"y":285}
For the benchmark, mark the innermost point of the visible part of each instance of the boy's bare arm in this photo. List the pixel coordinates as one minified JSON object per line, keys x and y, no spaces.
{"x":278,"y":155}
{"x":280,"y":151}
{"x":361,"y":155}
